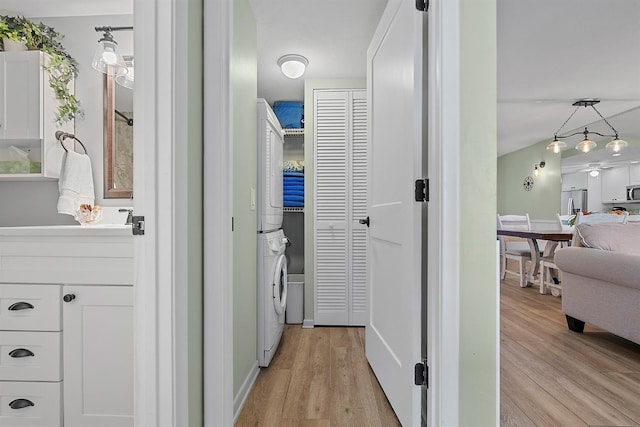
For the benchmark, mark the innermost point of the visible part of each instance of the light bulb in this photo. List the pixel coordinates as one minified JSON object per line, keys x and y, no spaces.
{"x":535,"y":171}
{"x":594,"y":172}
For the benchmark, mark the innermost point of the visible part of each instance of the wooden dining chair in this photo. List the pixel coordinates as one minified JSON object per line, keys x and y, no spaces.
{"x":550,"y":276}
{"x":514,"y":248}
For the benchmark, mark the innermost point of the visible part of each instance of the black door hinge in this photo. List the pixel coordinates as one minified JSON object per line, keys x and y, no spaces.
{"x":422,"y":5}
{"x":421,"y":374}
{"x":422,"y":190}
{"x":137,"y":225}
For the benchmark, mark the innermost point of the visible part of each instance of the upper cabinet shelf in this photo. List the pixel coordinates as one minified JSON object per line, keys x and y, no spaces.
{"x":28,"y":148}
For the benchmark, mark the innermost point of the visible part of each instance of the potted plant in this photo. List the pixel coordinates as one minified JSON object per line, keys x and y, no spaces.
{"x":62,"y":67}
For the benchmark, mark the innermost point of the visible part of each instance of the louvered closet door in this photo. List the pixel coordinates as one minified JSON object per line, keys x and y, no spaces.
{"x":331,"y":269}
{"x":341,"y":201}
{"x":358,"y":263}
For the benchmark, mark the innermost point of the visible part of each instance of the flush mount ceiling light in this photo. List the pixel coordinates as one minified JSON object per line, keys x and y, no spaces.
{"x":586,"y":145}
{"x":107,"y":59}
{"x":293,"y":66}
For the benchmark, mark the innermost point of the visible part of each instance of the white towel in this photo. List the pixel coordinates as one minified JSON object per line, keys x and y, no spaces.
{"x":76,"y":183}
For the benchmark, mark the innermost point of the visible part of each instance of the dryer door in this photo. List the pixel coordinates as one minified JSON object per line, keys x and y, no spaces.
{"x":280,"y":285}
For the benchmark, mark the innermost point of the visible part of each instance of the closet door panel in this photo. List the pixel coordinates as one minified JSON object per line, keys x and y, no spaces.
{"x":331,"y":206}
{"x":331,"y":277}
{"x":358,"y":202}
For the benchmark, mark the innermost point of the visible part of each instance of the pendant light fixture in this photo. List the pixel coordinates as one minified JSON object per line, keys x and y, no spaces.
{"x":586,"y":145}
{"x":107,"y":59}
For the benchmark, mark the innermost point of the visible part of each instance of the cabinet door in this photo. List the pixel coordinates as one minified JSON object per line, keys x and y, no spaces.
{"x":574,"y":181}
{"x":634,"y":175}
{"x":98,"y":356}
{"x":614,"y":184}
{"x":21,"y":109}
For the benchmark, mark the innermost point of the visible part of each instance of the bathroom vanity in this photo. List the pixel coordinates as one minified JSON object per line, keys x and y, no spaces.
{"x":66,"y":326}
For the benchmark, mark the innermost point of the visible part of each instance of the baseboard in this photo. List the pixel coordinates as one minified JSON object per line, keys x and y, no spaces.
{"x":307,"y":324}
{"x":241,"y":397}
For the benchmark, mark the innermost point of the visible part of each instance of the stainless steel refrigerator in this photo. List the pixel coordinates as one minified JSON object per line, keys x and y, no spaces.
{"x":574,"y":201}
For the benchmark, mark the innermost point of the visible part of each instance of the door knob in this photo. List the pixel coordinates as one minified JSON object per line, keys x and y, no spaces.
{"x":365,"y":221}
{"x":68,"y":297}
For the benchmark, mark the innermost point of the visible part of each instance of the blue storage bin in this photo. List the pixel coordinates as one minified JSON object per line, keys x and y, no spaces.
{"x":290,"y":114}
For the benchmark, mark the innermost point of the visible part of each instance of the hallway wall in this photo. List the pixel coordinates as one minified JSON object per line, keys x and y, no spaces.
{"x":245,"y":163}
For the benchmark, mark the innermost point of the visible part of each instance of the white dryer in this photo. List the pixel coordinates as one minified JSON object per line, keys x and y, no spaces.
{"x":272,"y":293}
{"x":270,"y":162}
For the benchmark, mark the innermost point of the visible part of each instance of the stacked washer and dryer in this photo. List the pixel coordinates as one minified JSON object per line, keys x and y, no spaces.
{"x":272,"y":264}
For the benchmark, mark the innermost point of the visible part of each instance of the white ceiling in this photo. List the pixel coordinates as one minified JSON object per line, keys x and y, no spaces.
{"x":550,"y":53}
{"x":42,"y":8}
{"x":332,"y":34}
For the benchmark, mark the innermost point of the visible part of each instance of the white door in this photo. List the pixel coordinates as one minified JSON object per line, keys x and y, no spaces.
{"x":394,"y":73}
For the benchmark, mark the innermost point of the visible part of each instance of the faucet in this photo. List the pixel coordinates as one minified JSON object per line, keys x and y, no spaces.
{"x":129,"y":216}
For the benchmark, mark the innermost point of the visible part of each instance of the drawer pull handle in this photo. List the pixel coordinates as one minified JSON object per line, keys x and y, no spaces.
{"x":68,"y":297}
{"x":20,"y":306}
{"x":21,"y":352}
{"x":20,"y":403}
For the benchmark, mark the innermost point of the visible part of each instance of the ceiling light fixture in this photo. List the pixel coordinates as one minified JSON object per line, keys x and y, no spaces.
{"x":594,"y":169}
{"x":293,"y":66}
{"x":107,"y":60}
{"x":537,"y":167}
{"x":586,"y":145}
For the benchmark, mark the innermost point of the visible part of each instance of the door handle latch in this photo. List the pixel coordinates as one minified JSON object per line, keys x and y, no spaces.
{"x":365,"y":221}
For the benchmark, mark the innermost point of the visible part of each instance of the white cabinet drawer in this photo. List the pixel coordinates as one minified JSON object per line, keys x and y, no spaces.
{"x":36,"y":404}
{"x":30,"y":356}
{"x":30,"y":307}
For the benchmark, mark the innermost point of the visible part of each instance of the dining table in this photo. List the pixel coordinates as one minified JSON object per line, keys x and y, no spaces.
{"x":553,"y":238}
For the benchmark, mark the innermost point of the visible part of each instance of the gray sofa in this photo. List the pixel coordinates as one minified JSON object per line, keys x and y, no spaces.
{"x":601,"y":278}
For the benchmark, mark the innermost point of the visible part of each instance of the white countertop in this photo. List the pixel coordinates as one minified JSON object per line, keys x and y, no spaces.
{"x":68,"y":230}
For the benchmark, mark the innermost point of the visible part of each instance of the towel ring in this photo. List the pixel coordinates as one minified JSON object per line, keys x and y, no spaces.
{"x":61,"y":136}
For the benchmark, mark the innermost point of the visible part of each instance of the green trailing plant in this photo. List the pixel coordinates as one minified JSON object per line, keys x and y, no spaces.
{"x":61,"y":67}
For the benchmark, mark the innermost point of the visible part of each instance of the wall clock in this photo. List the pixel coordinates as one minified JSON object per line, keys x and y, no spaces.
{"x":528,"y":183}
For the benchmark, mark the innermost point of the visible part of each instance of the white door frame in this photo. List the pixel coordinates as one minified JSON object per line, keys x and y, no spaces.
{"x":444,"y":258}
{"x":157,"y":391}
{"x":161,"y":383}
{"x":218,"y":208}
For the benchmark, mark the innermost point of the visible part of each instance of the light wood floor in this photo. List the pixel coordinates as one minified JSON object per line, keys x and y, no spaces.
{"x":549,"y":375}
{"x":319,"y":377}
{"x":553,"y":377}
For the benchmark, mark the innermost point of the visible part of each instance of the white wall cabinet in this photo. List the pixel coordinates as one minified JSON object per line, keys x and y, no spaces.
{"x":634,"y":174}
{"x":27,"y":118}
{"x":66,"y":327}
{"x":340,"y":202}
{"x":574,"y":181}
{"x":614,"y":184}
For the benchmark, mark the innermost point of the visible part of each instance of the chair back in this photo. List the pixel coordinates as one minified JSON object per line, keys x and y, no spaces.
{"x":563,"y":222}
{"x":602,"y":218}
{"x":514,"y":222}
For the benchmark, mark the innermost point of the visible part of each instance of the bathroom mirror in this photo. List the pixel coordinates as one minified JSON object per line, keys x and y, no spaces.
{"x":118,"y":138}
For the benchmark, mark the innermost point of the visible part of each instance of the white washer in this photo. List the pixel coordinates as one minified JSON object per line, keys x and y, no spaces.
{"x":270,"y":162}
{"x":272,"y":293}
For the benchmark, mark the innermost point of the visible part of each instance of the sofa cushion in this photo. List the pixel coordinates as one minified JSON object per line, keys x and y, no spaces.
{"x":624,"y":238}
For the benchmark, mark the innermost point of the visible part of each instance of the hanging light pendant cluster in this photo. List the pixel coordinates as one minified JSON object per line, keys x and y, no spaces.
{"x":109,"y":61}
{"x":586,"y":145}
